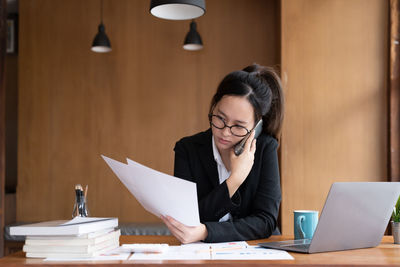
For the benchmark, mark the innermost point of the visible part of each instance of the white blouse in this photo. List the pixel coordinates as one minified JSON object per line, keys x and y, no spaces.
{"x":223,"y":173}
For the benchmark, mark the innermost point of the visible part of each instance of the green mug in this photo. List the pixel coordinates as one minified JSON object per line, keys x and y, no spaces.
{"x":305,"y":222}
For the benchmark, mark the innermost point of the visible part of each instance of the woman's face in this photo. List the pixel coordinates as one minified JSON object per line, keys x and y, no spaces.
{"x":234,"y":110}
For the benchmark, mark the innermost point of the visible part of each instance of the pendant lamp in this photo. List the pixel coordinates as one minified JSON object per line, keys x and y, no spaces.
{"x":101,"y":43}
{"x":193,"y":40}
{"x":177,"y":9}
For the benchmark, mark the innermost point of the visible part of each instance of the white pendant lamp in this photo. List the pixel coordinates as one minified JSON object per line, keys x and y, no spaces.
{"x":177,"y":9}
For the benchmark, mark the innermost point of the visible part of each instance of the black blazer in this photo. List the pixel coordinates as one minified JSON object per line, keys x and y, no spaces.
{"x":255,"y":205}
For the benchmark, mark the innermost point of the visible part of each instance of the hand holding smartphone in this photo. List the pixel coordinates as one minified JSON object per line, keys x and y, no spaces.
{"x":240,"y":146}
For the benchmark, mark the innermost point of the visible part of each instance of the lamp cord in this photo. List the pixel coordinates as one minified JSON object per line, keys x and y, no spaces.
{"x":101,"y":12}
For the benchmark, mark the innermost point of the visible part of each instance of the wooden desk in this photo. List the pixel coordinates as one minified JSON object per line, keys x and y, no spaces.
{"x":386,"y":254}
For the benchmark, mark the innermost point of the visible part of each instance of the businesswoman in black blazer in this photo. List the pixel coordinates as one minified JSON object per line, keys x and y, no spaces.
{"x":238,"y":196}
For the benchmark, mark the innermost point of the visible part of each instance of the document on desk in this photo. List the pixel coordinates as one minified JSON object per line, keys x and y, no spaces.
{"x":251,"y":253}
{"x":173,"y":253}
{"x":215,"y":251}
{"x":157,"y":192}
{"x":192,"y":251}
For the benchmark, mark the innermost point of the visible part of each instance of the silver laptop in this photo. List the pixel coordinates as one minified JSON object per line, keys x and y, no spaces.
{"x":355,"y":215}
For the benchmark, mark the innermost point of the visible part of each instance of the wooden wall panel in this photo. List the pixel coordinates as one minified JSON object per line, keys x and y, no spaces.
{"x":334,"y":58}
{"x":135,"y":102}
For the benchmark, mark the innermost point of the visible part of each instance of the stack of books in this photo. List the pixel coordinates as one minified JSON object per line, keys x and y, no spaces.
{"x":81,"y":237}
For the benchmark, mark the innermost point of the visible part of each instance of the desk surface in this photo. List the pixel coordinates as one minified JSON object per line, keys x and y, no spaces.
{"x":386,"y":254}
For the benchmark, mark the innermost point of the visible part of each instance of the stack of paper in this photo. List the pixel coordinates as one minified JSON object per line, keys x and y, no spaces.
{"x":81,"y":237}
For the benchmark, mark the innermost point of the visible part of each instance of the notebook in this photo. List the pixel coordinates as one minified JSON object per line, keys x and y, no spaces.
{"x":355,"y":215}
{"x":76,"y":226}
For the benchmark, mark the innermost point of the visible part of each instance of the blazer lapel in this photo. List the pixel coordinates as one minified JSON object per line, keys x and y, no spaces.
{"x":207,"y":158}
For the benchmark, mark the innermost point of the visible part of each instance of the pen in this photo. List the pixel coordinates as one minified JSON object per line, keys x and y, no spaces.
{"x":85,"y":212}
{"x":81,"y":204}
{"x":78,"y":190}
{"x":86,"y":189}
{"x":79,"y":199}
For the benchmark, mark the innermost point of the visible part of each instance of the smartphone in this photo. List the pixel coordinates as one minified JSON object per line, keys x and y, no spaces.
{"x":240,"y":146}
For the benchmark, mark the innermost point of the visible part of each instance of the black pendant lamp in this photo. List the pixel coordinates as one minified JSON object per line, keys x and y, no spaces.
{"x":193,"y":40}
{"x":101,"y":43}
{"x":177,"y":9}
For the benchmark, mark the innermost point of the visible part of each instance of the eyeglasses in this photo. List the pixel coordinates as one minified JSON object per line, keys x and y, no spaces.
{"x":219,"y":123}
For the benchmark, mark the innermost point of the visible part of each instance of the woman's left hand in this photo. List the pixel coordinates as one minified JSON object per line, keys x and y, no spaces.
{"x":185,"y":234}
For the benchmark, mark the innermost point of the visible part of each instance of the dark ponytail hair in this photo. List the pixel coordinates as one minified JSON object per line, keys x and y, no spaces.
{"x":262,"y":87}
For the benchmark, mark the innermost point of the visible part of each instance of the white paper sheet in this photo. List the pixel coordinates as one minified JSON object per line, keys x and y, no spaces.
{"x":157,"y":192}
{"x":200,"y":247}
{"x":216,"y":251}
{"x":173,"y":253}
{"x":115,"y":254}
{"x":251,"y":253}
{"x":229,"y":245}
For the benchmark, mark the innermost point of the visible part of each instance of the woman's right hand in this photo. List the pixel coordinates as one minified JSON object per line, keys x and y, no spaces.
{"x":241,"y":165}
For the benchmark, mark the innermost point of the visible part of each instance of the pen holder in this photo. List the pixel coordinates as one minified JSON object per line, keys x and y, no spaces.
{"x":80,"y":206}
{"x":80,"y":209}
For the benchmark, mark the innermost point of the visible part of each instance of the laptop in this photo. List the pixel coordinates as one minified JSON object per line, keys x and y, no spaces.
{"x":355,"y":215}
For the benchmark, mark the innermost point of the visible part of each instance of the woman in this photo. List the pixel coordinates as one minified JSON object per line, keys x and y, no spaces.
{"x":238,"y":196}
